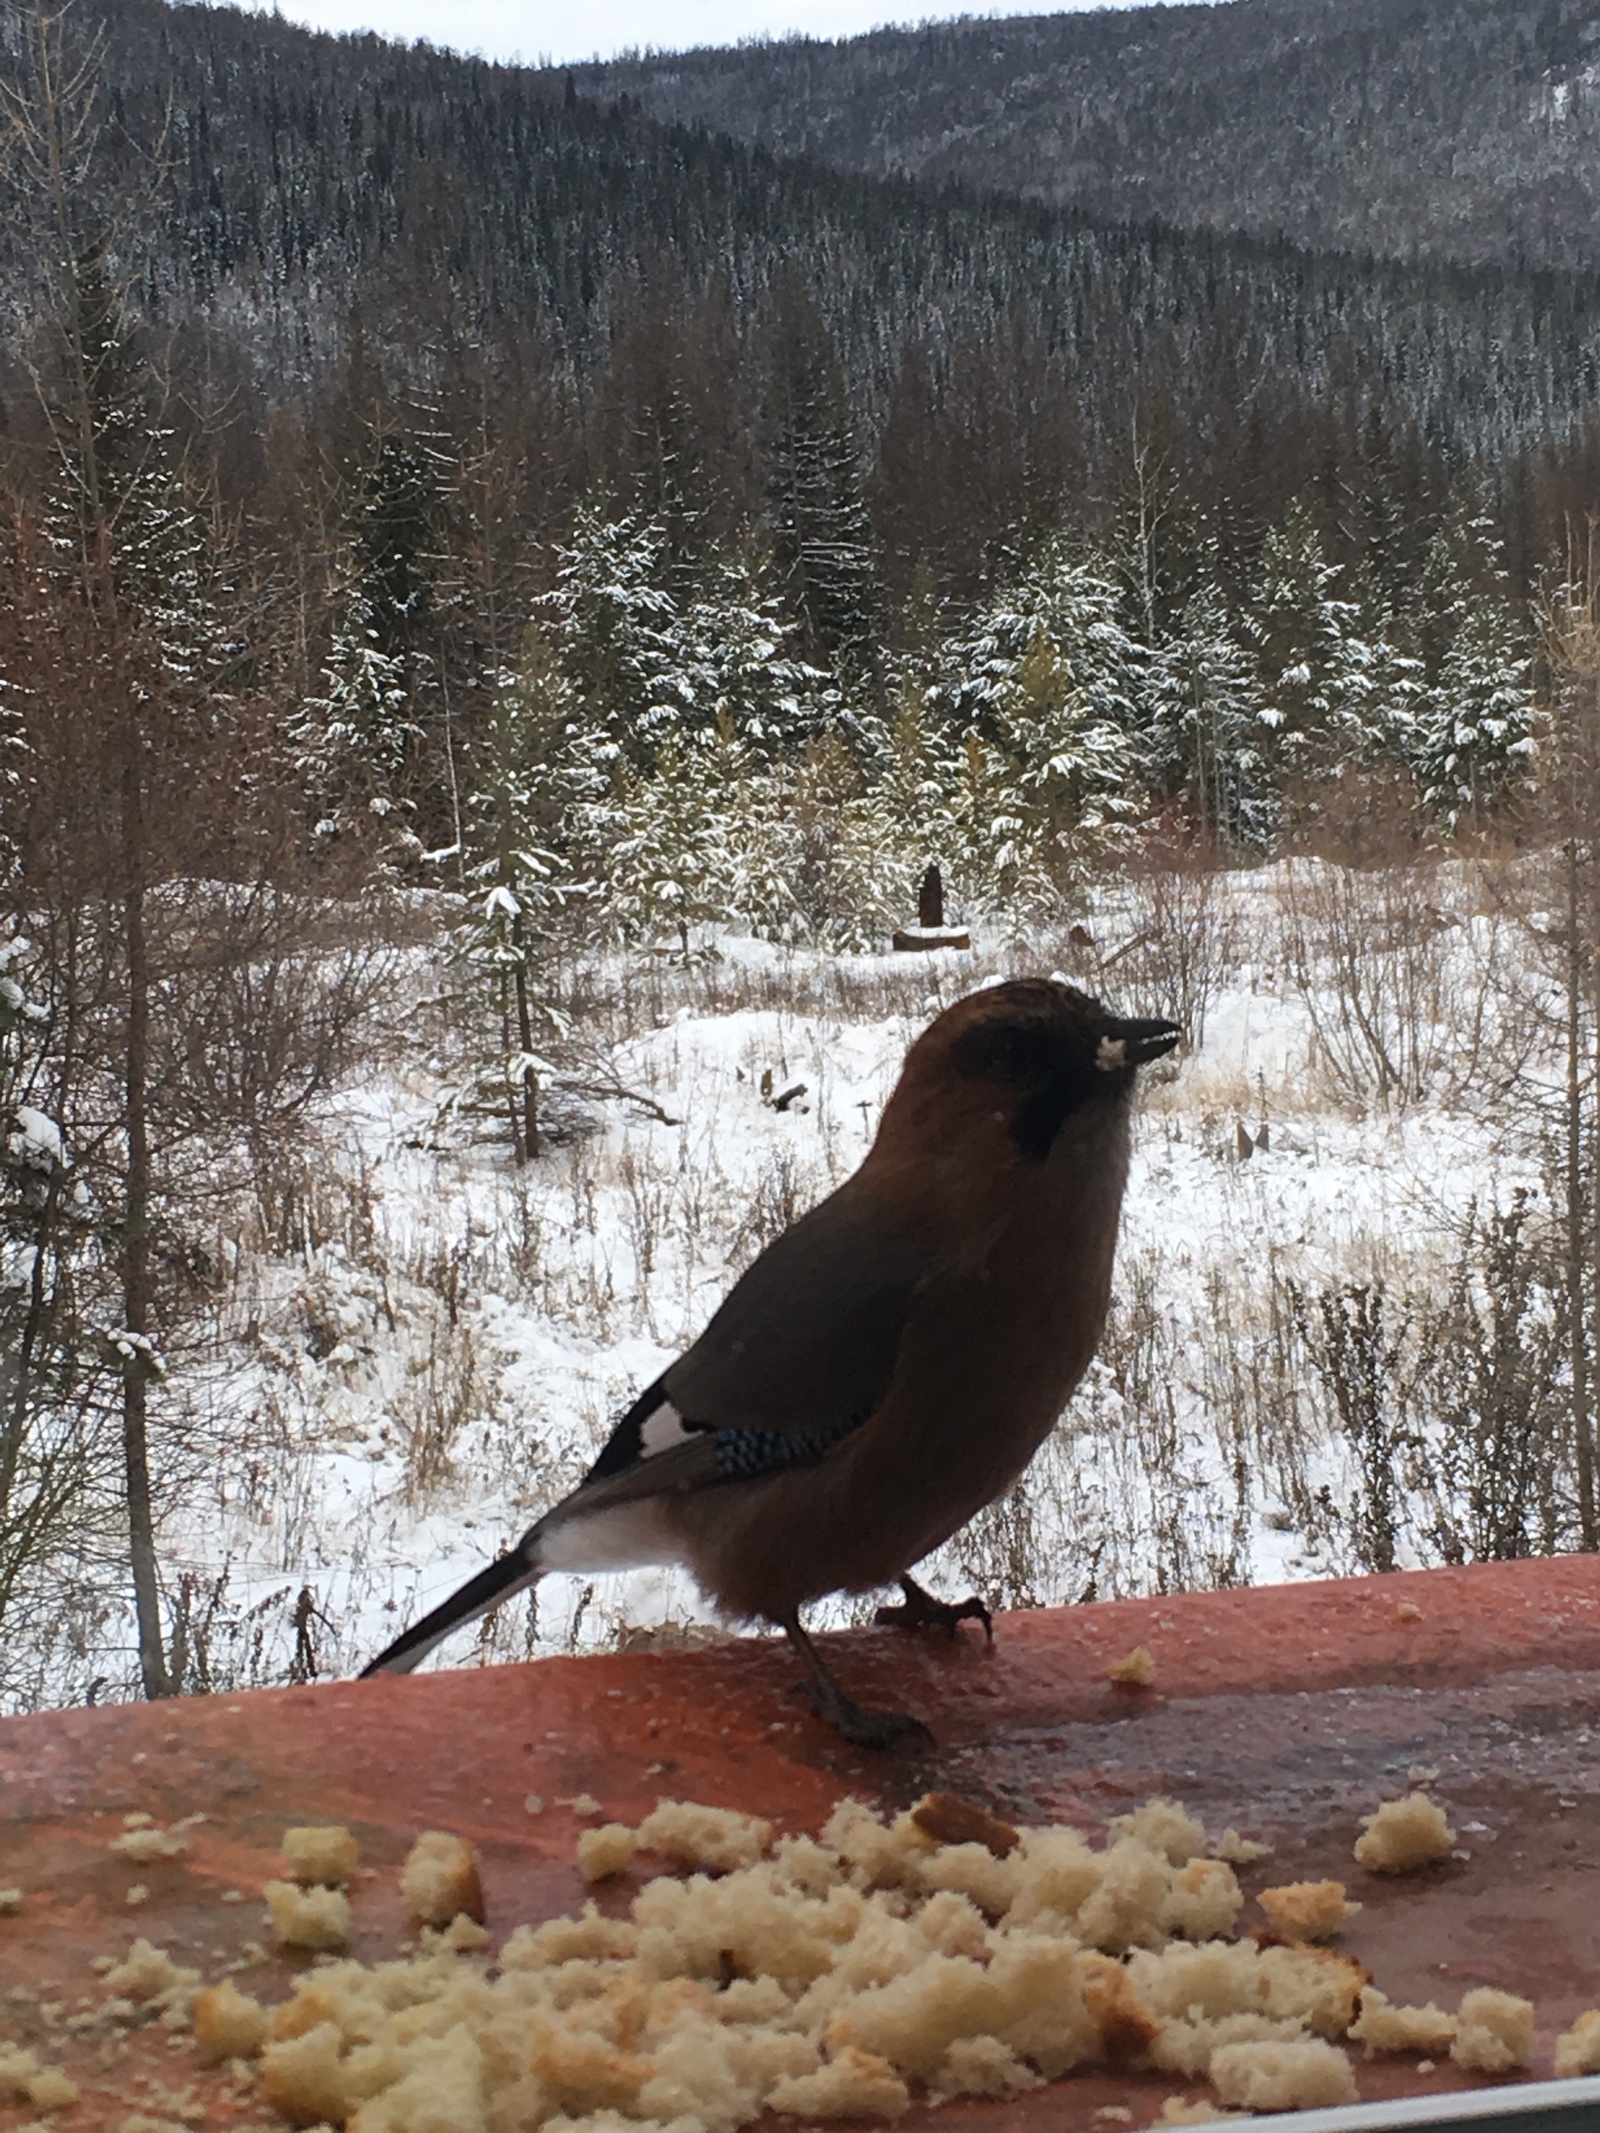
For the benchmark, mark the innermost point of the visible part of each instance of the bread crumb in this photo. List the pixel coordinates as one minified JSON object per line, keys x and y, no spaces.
{"x":440,"y":1878}
{"x":605,"y":1851}
{"x":231,"y":1896}
{"x":301,"y":2078}
{"x":1126,"y":2025}
{"x":1307,"y":1910}
{"x":1240,"y":1851}
{"x":856,"y":2084}
{"x":1382,"y":2027}
{"x":144,"y":1843}
{"x":583,"y":1803}
{"x":1578,"y":2048}
{"x":463,"y":1936}
{"x":1166,"y":1827}
{"x":147,"y":1977}
{"x":716,"y":1837}
{"x":982,"y":2066}
{"x":1494,"y":2032}
{"x":533,"y":1803}
{"x":1204,"y":1901}
{"x":137,"y":1895}
{"x":1402,"y":1835}
{"x":307,"y":1918}
{"x":318,"y":1856}
{"x":825,"y":1977}
{"x":228,"y":2023}
{"x":24,"y":2080}
{"x":138,"y":1820}
{"x":1297,"y":2076}
{"x":1135,"y":1670}
{"x":1178,"y":2111}
{"x":877,"y":1855}
{"x":10,"y":1902}
{"x":949,"y":1819}
{"x":1113,"y":2114}
{"x":1408,"y":1611}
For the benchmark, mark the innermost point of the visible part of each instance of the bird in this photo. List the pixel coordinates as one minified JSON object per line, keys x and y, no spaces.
{"x":891,"y":1362}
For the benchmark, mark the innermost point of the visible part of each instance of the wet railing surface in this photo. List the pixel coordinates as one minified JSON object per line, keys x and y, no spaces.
{"x":1286,"y":1712}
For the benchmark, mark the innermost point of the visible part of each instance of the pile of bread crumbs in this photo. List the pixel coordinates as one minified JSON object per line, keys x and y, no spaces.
{"x":942,"y":1953}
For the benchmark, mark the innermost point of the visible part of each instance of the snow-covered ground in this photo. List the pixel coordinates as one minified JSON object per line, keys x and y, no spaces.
{"x":421,"y":1345}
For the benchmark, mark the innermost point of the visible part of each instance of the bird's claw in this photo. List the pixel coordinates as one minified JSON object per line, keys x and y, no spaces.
{"x":888,"y":1729}
{"x":922,"y":1611}
{"x":863,"y":1728}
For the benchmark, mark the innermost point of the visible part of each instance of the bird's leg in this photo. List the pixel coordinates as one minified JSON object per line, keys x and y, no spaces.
{"x":923,"y":1611}
{"x":868,"y":1729}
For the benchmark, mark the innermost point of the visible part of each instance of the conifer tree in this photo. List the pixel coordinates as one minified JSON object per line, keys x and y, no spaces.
{"x":124,"y":593}
{"x":514,"y":884}
{"x":1208,"y":732}
{"x":903,"y":821}
{"x":612,"y":620}
{"x":912,"y":795}
{"x":1002,"y":854}
{"x":1061,"y":598}
{"x":1473,"y":734}
{"x":731,"y":658}
{"x":1076,"y":772}
{"x":52,"y":1389}
{"x":1047,"y":679}
{"x":119,"y":651}
{"x":358,"y":739}
{"x":816,"y":500}
{"x":670,"y":870}
{"x":843,"y":853}
{"x":1310,"y":658}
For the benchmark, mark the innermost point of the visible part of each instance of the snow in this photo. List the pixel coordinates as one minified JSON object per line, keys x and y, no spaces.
{"x":37,"y":1139}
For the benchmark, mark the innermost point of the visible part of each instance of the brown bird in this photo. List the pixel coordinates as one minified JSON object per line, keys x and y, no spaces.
{"x":892,"y":1362}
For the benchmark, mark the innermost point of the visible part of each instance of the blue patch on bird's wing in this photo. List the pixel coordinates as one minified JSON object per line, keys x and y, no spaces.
{"x":747,"y":1454}
{"x":741,"y":1454}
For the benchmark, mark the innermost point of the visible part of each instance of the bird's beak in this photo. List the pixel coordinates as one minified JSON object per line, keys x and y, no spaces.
{"x":1135,"y":1041}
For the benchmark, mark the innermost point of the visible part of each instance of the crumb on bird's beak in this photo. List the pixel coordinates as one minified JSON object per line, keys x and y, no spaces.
{"x":1135,"y":1042}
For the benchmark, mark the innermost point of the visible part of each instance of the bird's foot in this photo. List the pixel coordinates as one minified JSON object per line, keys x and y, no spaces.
{"x":922,"y":1611}
{"x":869,"y":1729}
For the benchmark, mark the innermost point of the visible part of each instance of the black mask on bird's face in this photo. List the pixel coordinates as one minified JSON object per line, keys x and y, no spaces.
{"x":1052,"y":1050}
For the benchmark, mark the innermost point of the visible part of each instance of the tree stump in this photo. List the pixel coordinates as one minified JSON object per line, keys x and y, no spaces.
{"x":930,"y":931}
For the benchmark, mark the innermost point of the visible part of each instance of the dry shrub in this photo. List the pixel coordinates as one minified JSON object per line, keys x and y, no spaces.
{"x":1401,"y":992}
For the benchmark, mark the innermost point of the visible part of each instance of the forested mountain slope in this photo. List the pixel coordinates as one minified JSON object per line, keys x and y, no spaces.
{"x":342,"y":219}
{"x":1464,"y":128}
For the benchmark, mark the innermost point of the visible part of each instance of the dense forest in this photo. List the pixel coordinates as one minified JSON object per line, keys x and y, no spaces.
{"x":1462,"y":129}
{"x":435,"y":502}
{"x":314,"y":234}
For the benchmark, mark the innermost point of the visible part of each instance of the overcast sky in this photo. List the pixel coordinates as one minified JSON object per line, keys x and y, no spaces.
{"x":536,"y":30}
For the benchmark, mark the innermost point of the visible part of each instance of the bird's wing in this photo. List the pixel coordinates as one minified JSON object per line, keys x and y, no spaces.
{"x":799,"y":1355}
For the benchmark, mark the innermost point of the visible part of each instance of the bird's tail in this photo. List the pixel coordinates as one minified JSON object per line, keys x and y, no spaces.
{"x":510,"y":1573}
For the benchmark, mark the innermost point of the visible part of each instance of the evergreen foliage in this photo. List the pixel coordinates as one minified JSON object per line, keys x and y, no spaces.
{"x":514,"y":887}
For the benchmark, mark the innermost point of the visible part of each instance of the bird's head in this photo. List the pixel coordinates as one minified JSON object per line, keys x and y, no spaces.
{"x":1015,"y":1062}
